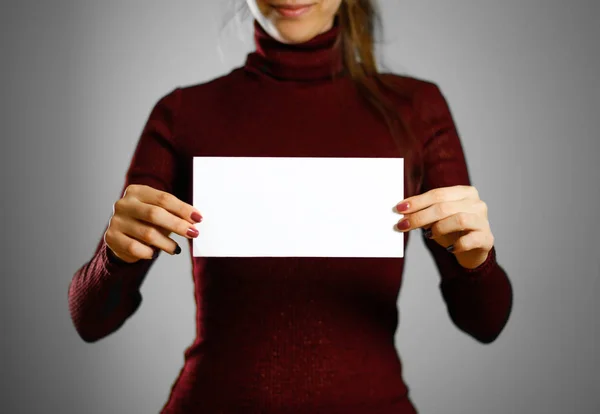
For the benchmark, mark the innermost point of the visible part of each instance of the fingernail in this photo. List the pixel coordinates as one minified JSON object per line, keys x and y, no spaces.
{"x":192,"y":232}
{"x":450,"y":248}
{"x":403,"y":206}
{"x":196,"y":217}
{"x":155,"y":255}
{"x":427,"y":233}
{"x":403,"y":224}
{"x":177,"y":250}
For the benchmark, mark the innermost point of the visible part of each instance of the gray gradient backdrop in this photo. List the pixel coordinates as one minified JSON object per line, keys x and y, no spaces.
{"x":79,"y":80}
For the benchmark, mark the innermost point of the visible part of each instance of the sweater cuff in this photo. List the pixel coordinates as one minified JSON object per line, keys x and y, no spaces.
{"x":110,"y":261}
{"x":484,"y":269}
{"x":111,"y":257}
{"x":99,"y":277}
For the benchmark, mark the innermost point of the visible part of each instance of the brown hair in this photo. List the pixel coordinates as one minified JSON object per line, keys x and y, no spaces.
{"x":358,"y":20}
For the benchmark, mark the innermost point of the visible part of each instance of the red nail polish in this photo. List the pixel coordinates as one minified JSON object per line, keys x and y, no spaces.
{"x":404,"y":224}
{"x":192,"y":232}
{"x":196,"y":217}
{"x":403,"y":206}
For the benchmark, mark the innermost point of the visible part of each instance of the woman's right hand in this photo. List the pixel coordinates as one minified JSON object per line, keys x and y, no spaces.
{"x":142,"y":221}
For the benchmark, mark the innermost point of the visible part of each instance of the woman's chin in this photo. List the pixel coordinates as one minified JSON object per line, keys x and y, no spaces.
{"x":294,"y":32}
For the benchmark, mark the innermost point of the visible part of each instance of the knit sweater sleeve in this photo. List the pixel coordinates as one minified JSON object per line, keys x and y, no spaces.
{"x":479,"y":301}
{"x":105,"y":291}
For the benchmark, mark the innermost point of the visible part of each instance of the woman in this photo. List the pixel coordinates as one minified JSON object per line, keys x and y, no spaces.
{"x":297,"y":335}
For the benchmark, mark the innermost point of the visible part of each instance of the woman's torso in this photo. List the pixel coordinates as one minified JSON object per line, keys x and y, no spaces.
{"x":288,"y":334}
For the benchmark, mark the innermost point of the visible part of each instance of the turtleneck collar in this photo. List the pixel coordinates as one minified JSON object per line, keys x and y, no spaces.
{"x":319,"y":58}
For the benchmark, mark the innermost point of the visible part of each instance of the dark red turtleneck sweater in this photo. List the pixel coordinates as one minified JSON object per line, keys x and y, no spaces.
{"x":290,"y":335}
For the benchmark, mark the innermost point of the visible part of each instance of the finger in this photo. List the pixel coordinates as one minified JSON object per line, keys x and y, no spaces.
{"x":459,"y":222}
{"x":436,"y":196}
{"x":127,"y":247}
{"x":159,"y":217}
{"x":434,"y":213}
{"x":119,"y":258}
{"x":168,"y":202}
{"x":446,"y":240}
{"x":149,"y":235}
{"x":474,"y":240}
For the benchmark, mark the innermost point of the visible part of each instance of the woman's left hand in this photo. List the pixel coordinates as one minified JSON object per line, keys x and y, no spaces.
{"x":455,"y":218}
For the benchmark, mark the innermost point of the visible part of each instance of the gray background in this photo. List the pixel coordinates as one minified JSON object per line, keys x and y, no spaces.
{"x":78,"y":81}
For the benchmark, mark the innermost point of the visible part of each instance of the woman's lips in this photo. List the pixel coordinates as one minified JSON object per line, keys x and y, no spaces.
{"x":292,"y":10}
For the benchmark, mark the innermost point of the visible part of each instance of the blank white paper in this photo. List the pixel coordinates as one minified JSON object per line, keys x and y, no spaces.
{"x":298,"y":206}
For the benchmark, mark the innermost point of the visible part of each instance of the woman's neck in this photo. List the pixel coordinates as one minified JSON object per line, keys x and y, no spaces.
{"x":317,"y":59}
